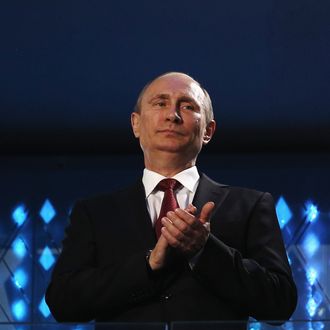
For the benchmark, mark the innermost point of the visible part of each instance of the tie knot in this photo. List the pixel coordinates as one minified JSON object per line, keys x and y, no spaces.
{"x":167,"y":184}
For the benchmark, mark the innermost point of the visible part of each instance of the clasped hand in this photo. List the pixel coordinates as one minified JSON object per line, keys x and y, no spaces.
{"x":183,"y":231}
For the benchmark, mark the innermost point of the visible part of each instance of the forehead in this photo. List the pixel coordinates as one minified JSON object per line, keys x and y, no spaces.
{"x":175,"y":86}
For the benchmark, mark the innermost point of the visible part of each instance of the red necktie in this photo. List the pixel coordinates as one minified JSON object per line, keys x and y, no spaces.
{"x":169,"y":202}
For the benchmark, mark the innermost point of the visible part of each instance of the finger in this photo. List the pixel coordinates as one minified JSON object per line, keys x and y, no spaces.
{"x":172,"y":241}
{"x":187,"y":217}
{"x":191,"y":209}
{"x":206,"y":212}
{"x":183,"y":220}
{"x":173,"y":230}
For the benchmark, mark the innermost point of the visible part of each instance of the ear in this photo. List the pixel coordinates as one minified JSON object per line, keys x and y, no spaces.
{"x":209,"y":131}
{"x":135,"y":122}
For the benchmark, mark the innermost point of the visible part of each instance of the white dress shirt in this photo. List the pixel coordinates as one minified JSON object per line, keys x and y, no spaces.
{"x":189,"y":180}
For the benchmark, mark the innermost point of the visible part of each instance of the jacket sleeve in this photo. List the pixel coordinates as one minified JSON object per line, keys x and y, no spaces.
{"x":258,"y":283}
{"x":80,"y":290}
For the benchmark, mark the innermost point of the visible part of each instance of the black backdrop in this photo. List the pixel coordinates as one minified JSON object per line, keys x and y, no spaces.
{"x":71,"y":70}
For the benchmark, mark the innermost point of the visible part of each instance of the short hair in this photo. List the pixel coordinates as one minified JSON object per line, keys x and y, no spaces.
{"x":207,"y":104}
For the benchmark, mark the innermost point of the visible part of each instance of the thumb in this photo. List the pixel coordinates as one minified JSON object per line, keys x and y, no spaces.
{"x":206,"y":212}
{"x":162,"y":243}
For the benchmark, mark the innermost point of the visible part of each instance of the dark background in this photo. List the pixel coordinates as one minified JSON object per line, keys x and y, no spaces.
{"x":71,"y":71}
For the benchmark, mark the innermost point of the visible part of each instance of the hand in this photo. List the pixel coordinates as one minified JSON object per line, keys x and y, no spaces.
{"x":158,"y":255}
{"x":186,"y":232}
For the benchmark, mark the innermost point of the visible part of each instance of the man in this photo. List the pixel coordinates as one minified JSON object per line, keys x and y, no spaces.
{"x":197,"y":250}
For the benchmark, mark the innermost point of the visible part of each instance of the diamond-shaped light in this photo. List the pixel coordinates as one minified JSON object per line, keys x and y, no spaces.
{"x":19,"y":309}
{"x":20,"y":278}
{"x":255,"y":326}
{"x":43,"y":308}
{"x":283,"y":212}
{"x":47,"y":211}
{"x":19,"y":248}
{"x":310,"y":244}
{"x":313,"y":303}
{"x":46,"y":259}
{"x":318,"y":325}
{"x":20,"y":214}
{"x":311,"y":275}
{"x":311,"y":307}
{"x":311,"y":212}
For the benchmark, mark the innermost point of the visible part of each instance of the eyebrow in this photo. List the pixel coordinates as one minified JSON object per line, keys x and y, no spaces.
{"x":167,"y":97}
{"x":187,"y":99}
{"x":159,"y":96}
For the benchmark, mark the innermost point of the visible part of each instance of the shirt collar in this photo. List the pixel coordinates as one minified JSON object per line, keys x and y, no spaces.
{"x":188,"y":178}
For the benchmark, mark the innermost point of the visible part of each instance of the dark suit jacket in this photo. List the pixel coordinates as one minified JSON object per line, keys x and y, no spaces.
{"x":243,"y":270}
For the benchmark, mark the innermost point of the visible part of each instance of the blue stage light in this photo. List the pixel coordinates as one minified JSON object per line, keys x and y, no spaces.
{"x":311,"y":307}
{"x":46,"y":259}
{"x":43,"y":308}
{"x":20,"y":214}
{"x":318,"y":325}
{"x":288,"y":325}
{"x":20,"y":278}
{"x":311,"y":275}
{"x":47,"y":211}
{"x":283,"y":212}
{"x":313,"y":303}
{"x":317,"y":298}
{"x":19,"y":248}
{"x":289,"y":260}
{"x":19,"y":309}
{"x":311,"y":212}
{"x":255,"y":326}
{"x":311,"y":245}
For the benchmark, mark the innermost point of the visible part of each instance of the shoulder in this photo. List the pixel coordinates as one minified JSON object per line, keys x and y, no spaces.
{"x":234,"y":191}
{"x":112,"y":198}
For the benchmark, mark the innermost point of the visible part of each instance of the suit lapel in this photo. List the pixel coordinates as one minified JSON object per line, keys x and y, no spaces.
{"x":139,"y":218}
{"x":209,"y":191}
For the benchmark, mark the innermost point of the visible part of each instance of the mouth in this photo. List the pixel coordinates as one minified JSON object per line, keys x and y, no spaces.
{"x":170,"y":132}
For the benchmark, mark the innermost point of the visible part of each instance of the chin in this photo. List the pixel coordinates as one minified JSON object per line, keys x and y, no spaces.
{"x":182,"y":149}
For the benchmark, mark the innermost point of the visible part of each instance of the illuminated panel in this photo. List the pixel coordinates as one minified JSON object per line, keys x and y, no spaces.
{"x":310,"y":245}
{"x":43,"y":308}
{"x":19,"y":215}
{"x":19,"y":248}
{"x":283,"y":212}
{"x":313,"y":303}
{"x":311,"y":212}
{"x":20,"y":278}
{"x":311,"y":275}
{"x":47,"y":259}
{"x":47,"y":211}
{"x":19,"y":309}
{"x":254,"y":326}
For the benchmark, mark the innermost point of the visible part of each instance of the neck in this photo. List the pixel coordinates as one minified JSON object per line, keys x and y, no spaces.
{"x":168,"y":166}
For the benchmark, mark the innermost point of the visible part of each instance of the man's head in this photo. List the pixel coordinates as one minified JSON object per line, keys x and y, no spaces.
{"x":173,"y":117}
{"x":207,"y":103}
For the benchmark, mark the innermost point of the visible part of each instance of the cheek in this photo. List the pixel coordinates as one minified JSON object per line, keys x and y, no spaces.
{"x":198,"y":124}
{"x":194,"y":119}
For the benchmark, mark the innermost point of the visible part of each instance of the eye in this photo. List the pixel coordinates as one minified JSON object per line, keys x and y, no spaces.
{"x":187,"y":106}
{"x":159,"y":104}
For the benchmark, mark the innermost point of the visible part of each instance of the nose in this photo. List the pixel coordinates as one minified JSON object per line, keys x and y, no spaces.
{"x":173,"y":114}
